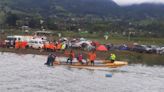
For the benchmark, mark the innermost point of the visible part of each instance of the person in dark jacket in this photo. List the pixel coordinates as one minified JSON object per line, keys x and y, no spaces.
{"x":50,"y":60}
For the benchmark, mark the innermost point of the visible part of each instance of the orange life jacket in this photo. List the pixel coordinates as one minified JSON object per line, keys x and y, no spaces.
{"x":92,"y":56}
{"x":89,"y":55}
{"x":46,"y":46}
{"x":24,"y":44}
{"x":51,"y":46}
{"x":59,"y":46}
{"x":72,"y":55}
{"x":17,"y":44}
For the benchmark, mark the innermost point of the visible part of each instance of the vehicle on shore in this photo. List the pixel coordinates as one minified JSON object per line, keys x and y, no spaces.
{"x":11,"y":40}
{"x":142,"y":49}
{"x":36,"y":43}
{"x":161,"y":50}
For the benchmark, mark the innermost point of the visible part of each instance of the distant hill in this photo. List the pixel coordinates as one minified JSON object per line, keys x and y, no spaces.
{"x":149,"y":10}
{"x":101,"y":8}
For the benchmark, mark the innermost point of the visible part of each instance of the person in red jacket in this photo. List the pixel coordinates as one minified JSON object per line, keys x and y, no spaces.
{"x":80,"y":58}
{"x":24,"y":44}
{"x":92,"y":57}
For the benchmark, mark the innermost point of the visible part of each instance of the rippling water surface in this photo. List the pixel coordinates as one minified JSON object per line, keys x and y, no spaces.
{"x":27,"y":73}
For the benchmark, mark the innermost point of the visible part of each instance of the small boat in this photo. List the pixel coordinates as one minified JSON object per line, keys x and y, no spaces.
{"x":96,"y":66}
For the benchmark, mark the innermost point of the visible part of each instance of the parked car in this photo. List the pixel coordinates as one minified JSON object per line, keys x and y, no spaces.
{"x":123,"y":47}
{"x":156,"y":49}
{"x":63,"y":40}
{"x":110,"y":46}
{"x":142,"y":48}
{"x":81,"y":44}
{"x":147,"y":48}
{"x":162,"y":50}
{"x":139,"y":48}
{"x":36,"y":43}
{"x":10,"y":40}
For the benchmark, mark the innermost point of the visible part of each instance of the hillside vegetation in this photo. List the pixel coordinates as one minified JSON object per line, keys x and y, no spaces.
{"x":91,"y":15}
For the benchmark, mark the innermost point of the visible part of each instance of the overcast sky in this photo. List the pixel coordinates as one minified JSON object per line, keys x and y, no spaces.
{"x":128,"y":2}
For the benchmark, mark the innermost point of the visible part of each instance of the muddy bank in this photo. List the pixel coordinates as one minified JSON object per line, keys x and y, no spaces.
{"x":23,"y":51}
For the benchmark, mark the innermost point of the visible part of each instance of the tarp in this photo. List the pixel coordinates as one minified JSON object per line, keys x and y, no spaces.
{"x":101,"y":48}
{"x":95,"y":43}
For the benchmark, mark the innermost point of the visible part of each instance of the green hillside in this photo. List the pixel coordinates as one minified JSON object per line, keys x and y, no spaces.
{"x":91,"y":15}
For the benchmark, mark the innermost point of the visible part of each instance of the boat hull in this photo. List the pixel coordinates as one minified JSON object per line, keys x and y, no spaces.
{"x":96,"y":66}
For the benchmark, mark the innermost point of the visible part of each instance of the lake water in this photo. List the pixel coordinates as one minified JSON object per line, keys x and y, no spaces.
{"x":27,"y":73}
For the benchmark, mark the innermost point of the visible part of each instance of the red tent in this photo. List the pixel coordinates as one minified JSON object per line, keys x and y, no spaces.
{"x":95,"y":43}
{"x":101,"y":48}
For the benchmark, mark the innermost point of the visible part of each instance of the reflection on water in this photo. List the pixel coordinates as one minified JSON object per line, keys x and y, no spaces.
{"x":28,"y":73}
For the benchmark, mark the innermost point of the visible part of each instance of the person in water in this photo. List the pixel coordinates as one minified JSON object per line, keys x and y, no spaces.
{"x":50,"y":60}
{"x":71,"y":56}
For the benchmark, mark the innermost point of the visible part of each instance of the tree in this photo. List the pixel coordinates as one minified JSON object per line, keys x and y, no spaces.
{"x":11,"y":19}
{"x":50,"y":23}
{"x":2,"y":18}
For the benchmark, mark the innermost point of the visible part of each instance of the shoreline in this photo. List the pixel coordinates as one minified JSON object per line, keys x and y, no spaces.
{"x":130,"y":57}
{"x":27,"y":51}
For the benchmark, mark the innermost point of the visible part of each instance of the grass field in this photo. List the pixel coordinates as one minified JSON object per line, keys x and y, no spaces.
{"x":115,"y":39}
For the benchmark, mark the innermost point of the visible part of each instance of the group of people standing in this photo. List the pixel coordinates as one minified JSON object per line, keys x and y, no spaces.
{"x":90,"y":59}
{"x":50,"y":46}
{"x":91,"y":56}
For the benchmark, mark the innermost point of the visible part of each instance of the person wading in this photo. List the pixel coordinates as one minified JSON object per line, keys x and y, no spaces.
{"x":50,"y":60}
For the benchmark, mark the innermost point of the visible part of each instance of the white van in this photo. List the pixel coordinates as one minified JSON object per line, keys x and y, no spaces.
{"x":14,"y":38}
{"x":36,"y":43}
{"x":19,"y":38}
{"x":10,"y":40}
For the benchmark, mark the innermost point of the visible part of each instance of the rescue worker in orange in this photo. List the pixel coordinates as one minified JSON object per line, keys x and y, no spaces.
{"x":88,"y":56}
{"x":55,"y":47}
{"x":59,"y":46}
{"x":46,"y":46}
{"x":24,"y":44}
{"x":71,"y":56}
{"x":92,"y":57}
{"x":18,"y":44}
{"x":51,"y":46}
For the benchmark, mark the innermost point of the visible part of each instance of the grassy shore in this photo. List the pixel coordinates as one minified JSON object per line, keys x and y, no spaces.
{"x":117,"y":39}
{"x":97,"y":36}
{"x":131,"y":57}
